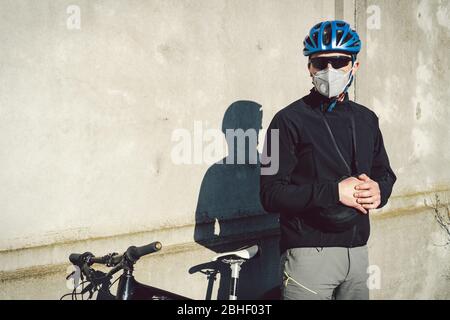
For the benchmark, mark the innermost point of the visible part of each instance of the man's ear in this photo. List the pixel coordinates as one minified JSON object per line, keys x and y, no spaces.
{"x":309,"y":69}
{"x":355,"y":67}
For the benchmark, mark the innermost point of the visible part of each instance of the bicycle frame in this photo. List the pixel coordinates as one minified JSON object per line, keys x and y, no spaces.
{"x":130,"y":289}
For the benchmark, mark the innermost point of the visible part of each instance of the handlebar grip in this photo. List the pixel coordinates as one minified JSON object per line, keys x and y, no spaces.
{"x":134,"y":253}
{"x":79,"y":259}
{"x":74,"y":258}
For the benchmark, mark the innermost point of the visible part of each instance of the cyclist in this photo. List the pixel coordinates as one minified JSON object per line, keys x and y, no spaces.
{"x":332,"y":165}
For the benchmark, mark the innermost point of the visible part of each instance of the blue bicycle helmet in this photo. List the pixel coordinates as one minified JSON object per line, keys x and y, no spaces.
{"x":334,"y":35}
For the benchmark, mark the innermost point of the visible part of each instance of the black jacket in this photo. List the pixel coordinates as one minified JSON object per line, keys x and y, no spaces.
{"x":310,"y":168}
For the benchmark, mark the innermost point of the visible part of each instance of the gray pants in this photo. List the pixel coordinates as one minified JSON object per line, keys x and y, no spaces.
{"x":325,"y":273}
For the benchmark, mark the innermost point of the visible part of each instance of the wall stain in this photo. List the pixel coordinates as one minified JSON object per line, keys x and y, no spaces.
{"x":173,"y":228}
{"x":259,"y":46}
{"x":37,"y":272}
{"x":418,"y":111}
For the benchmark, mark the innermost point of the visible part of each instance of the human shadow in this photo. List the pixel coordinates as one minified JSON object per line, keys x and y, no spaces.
{"x":229,"y":211}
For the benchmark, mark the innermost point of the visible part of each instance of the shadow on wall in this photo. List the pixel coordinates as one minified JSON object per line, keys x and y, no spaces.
{"x":228,"y":198}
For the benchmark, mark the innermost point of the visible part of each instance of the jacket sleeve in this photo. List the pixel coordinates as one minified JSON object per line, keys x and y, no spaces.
{"x":381,"y":170}
{"x":277,"y":193}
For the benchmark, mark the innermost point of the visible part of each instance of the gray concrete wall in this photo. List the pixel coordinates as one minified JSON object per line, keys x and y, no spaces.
{"x":87,"y":117}
{"x":403,"y":80}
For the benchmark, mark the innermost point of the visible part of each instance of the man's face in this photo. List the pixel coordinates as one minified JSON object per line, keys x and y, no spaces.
{"x":347,"y":68}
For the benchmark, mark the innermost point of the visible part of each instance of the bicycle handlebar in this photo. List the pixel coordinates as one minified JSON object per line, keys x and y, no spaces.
{"x":133,"y":254}
{"x":100,"y":260}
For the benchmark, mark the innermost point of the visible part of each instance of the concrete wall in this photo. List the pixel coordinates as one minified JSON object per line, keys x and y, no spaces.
{"x":403,"y":80}
{"x":87,"y":117}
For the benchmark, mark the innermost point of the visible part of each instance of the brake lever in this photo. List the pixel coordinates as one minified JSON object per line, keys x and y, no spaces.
{"x":70,"y":275}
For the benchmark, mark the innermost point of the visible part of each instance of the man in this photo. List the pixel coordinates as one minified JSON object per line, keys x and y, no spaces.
{"x":333,"y":169}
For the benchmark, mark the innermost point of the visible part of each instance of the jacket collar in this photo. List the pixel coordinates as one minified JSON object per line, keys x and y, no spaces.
{"x":316,"y":100}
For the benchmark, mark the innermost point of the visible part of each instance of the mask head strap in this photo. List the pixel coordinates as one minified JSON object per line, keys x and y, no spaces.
{"x":334,"y":102}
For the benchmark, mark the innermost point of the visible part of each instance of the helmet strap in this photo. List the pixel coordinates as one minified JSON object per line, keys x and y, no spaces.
{"x":335,"y":99}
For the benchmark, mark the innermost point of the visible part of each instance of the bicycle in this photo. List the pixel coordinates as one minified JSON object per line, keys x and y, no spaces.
{"x":130,"y":289}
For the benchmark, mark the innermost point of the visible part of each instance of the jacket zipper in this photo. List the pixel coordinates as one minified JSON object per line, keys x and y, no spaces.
{"x":343,"y":159}
{"x":335,"y":145}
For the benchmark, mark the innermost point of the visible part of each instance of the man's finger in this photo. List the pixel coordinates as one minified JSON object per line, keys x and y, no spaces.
{"x":364,"y":194}
{"x":364,"y":177}
{"x":371,"y":205}
{"x":365,"y":185}
{"x":366,"y":200}
{"x":361,"y":208}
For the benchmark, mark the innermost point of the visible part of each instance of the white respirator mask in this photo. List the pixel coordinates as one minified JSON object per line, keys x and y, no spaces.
{"x":331,"y":82}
